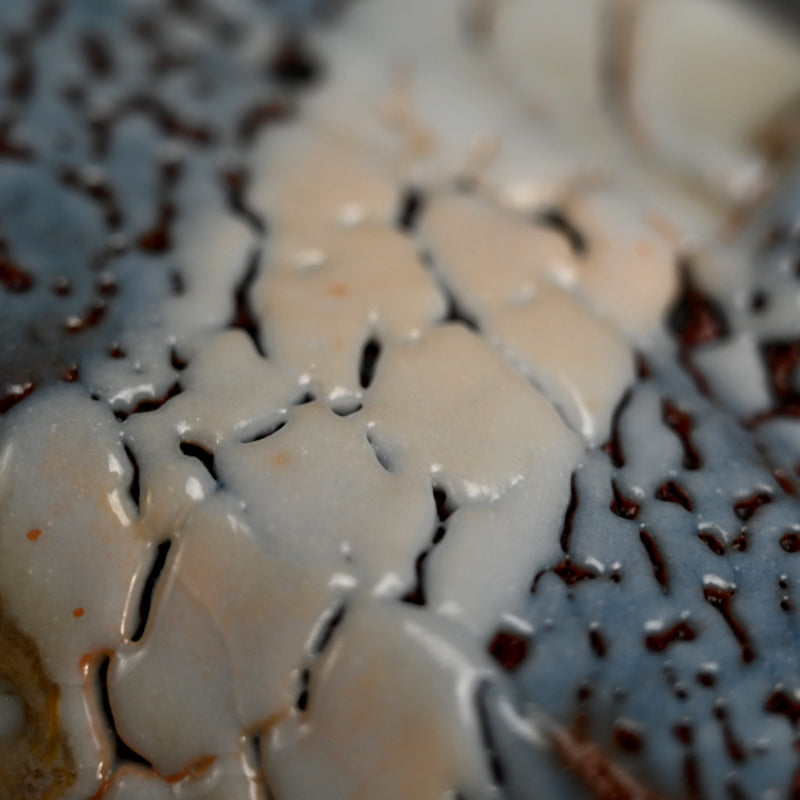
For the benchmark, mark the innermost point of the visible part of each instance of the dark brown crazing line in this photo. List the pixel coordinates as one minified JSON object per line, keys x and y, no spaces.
{"x":37,"y":764}
{"x":682,"y":424}
{"x":370,"y":354}
{"x":781,"y":359}
{"x":122,"y":750}
{"x":412,"y":205}
{"x":784,"y":481}
{"x":243,"y":316}
{"x":491,"y":752}
{"x":97,"y":188}
{"x":623,"y":506}
{"x":91,"y":317}
{"x":235,"y":181}
{"x":332,"y":621}
{"x":97,"y":55}
{"x":158,"y":238}
{"x":597,"y":642}
{"x":303,"y":690}
{"x":740,"y":542}
{"x":417,"y":595}
{"x":713,"y":543}
{"x":569,"y":515}
{"x":744,"y":509}
{"x":145,"y":406}
{"x":12,"y":276}
{"x":205,"y":457}
{"x":691,"y":774}
{"x":613,"y":447}
{"x":790,"y":542}
{"x":680,"y":632}
{"x":101,"y":123}
{"x":169,"y":122}
{"x":11,"y":394}
{"x":628,"y":735}
{"x":571,"y":573}
{"x":782,"y":702}
{"x":672,"y":492}
{"x":695,"y":319}
{"x":706,"y":677}
{"x":21,"y":81}
{"x":293,"y":64}
{"x":261,"y":115}
{"x":12,"y":147}
{"x":656,"y":558}
{"x":134,"y":488}
{"x":722,"y":601}
{"x":736,"y":751}
{"x":558,"y":221}
{"x":153,"y":577}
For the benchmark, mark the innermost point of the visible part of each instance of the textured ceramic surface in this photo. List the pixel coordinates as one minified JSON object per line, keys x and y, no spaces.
{"x":398,"y":400}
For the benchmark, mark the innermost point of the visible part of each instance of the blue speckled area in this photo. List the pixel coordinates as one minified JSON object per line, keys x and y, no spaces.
{"x":732,"y":683}
{"x":85,"y":146}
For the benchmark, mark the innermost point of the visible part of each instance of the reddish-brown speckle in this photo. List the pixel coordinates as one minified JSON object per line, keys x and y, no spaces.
{"x":281,"y":458}
{"x":34,"y":534}
{"x":78,"y":612}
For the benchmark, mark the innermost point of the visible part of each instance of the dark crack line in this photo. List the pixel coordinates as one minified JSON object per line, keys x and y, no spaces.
{"x":417,"y":594}
{"x":205,"y":457}
{"x":134,"y":488}
{"x":558,"y":221}
{"x":123,"y":751}
{"x":370,"y":355}
{"x":243,"y":316}
{"x":153,"y":577}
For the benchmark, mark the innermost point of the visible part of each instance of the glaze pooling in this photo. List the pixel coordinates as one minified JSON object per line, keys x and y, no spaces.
{"x":358,"y":411}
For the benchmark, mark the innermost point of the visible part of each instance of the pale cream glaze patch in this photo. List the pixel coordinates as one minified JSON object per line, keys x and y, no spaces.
{"x":229,"y":392}
{"x":705,"y":99}
{"x":581,"y":362}
{"x":361,"y":739}
{"x":448,"y":406}
{"x":512,"y":537}
{"x":318,"y":493}
{"x":225,"y":643}
{"x":630,"y":275}
{"x":84,"y":523}
{"x":463,"y":233}
{"x":369,"y":283}
{"x":310,"y":182}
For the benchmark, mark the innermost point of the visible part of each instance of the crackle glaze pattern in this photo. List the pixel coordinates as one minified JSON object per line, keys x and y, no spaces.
{"x":377,"y":420}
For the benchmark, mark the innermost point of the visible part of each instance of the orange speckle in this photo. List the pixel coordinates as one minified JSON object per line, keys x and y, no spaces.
{"x":337,"y":289}
{"x":34,"y":534}
{"x":281,"y":458}
{"x":78,"y":612}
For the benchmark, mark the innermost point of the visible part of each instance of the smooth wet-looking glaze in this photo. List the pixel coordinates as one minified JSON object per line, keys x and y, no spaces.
{"x":379,"y":422}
